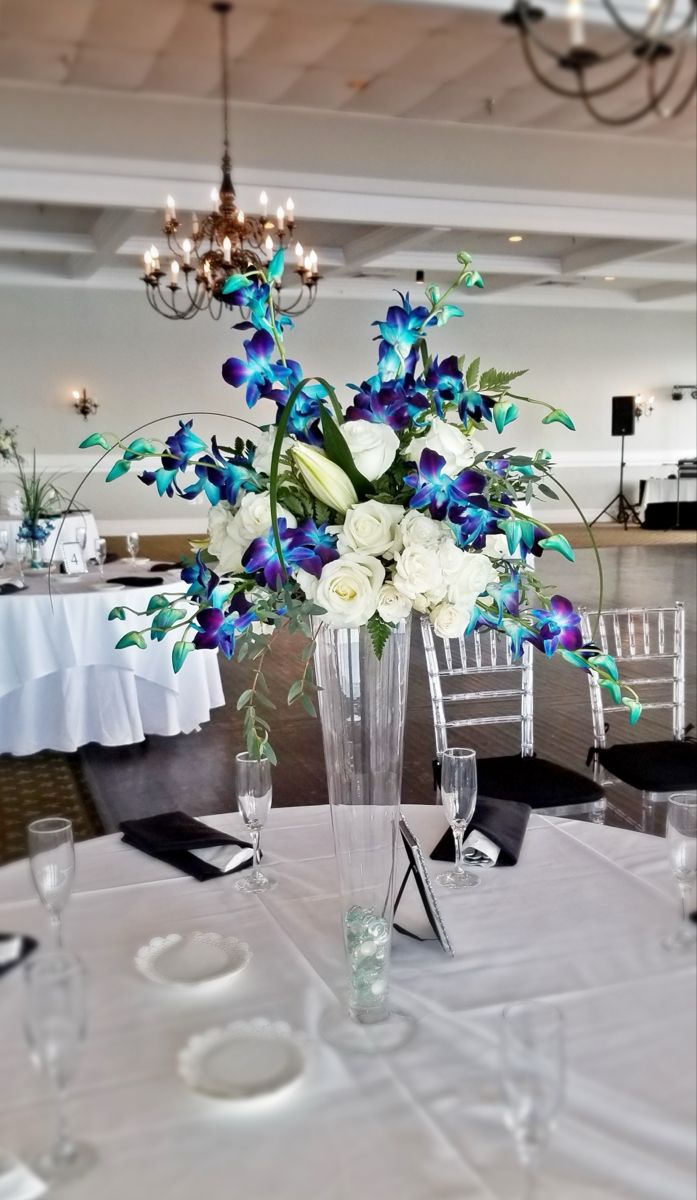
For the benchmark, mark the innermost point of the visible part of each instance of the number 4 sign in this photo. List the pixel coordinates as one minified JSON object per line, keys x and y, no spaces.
{"x":73,"y":559}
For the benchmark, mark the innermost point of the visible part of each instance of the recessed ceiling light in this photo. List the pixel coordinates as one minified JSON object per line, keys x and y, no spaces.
{"x":516,"y":237}
{"x":610,"y":278}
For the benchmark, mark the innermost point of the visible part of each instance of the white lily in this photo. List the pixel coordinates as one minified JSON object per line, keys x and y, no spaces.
{"x":324,"y":479}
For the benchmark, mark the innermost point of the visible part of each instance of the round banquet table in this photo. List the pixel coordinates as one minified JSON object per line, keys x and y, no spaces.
{"x":63,"y":683}
{"x":65,"y":529}
{"x":579,"y":922}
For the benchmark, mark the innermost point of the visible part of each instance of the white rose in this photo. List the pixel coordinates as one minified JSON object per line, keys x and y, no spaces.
{"x":452,"y":443}
{"x":418,"y":576}
{"x":348,"y":590}
{"x":392,"y":605}
{"x":253,"y":518}
{"x":373,"y":445}
{"x":371,"y":527}
{"x":449,"y":620}
{"x":264,"y":450}
{"x":223,"y":538}
{"x":418,"y":529}
{"x":466,"y":573}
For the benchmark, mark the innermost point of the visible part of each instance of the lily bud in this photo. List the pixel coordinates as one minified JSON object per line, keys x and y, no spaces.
{"x":324,"y":479}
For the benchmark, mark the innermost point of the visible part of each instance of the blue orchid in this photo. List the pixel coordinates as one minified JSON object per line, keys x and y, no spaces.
{"x":396,"y":403}
{"x":261,"y":557}
{"x":473,"y":521}
{"x":400,"y":333}
{"x":436,"y":490}
{"x":218,"y":627}
{"x":523,"y":536}
{"x":223,"y":478}
{"x":181,"y":447}
{"x":445,"y":381}
{"x":258,"y":373}
{"x":558,"y":625}
{"x":304,"y":422}
{"x":475,"y":406}
{"x":320,"y":543}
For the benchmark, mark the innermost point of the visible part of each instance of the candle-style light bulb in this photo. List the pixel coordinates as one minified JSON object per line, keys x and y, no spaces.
{"x":290,"y":209}
{"x":308,"y":265}
{"x":186,"y":247}
{"x":76,"y":395}
{"x":171,"y":210}
{"x":227,"y":247}
{"x":147,"y":259}
{"x":240,"y":217}
{"x":194,"y":224}
{"x":577,"y":32}
{"x":299,"y":253}
{"x":280,"y":217}
{"x":264,"y":202}
{"x":215,"y":197}
{"x":174,"y":272}
{"x":268,"y":244}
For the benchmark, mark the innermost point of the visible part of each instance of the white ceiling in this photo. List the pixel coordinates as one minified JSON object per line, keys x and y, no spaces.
{"x":427,"y":60}
{"x":384,"y":76}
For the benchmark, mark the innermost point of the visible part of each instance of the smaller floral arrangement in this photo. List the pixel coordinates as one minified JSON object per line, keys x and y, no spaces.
{"x":8,"y":443}
{"x":41,"y":499}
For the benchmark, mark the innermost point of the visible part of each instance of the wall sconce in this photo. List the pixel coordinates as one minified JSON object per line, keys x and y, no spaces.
{"x":84,"y":404}
{"x":643,"y":406}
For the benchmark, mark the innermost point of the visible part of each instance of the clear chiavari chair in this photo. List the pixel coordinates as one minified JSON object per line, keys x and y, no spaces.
{"x":475,"y":682}
{"x":649,"y":643}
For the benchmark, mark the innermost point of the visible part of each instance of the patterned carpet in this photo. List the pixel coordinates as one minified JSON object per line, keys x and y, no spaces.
{"x":44,"y":785}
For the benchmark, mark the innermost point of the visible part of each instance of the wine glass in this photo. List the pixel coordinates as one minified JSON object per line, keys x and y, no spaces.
{"x":132,"y":543}
{"x":52,"y":862}
{"x":81,"y":537}
{"x":55,"y":1025}
{"x":458,"y":789}
{"x":100,"y":554}
{"x":681,"y":836}
{"x":532,"y":1080}
{"x":253,"y":776}
{"x":4,"y":543}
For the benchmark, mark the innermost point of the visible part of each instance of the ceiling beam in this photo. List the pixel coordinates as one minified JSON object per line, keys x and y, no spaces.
{"x":663,"y":291}
{"x":109,"y":232}
{"x":607,"y":254}
{"x":369,"y":248}
{"x":40,"y":241}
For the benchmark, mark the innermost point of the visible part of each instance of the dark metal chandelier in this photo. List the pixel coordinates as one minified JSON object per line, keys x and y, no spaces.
{"x":660,"y":47}
{"x":226,"y":242}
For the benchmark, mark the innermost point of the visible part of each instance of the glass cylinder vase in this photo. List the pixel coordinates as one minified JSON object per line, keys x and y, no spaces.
{"x":362,"y":705}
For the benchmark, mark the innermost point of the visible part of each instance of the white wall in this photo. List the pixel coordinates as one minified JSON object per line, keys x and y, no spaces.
{"x":139,"y":366}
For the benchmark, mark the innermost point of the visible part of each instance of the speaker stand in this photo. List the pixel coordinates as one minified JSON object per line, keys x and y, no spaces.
{"x":626,"y":513}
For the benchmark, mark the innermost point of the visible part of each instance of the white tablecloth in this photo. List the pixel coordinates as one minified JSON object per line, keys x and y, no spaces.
{"x":64,"y":530}
{"x":579,"y":922}
{"x":665,"y":491}
{"x":64,"y":684}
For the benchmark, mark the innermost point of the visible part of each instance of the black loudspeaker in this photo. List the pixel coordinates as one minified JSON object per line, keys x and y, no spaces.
{"x":623,"y":416}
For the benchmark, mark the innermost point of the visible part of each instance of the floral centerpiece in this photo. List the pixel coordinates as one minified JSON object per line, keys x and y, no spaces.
{"x":362,"y":513}
{"x":8,"y":442}
{"x":41,"y":499}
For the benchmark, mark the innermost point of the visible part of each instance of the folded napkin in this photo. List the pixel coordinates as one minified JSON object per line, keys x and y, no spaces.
{"x":11,"y":588}
{"x":137,"y":580}
{"x":165,"y":566}
{"x":14,"y":948}
{"x":188,"y":844}
{"x":496,"y":834}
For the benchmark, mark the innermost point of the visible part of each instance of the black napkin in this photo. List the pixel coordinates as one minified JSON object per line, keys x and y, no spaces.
{"x":11,"y":589}
{"x":165,"y":566}
{"x":137,"y":580}
{"x":27,"y":945}
{"x":170,"y":836}
{"x":504,"y":822}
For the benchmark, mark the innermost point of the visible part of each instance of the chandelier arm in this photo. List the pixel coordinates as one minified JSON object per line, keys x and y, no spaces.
{"x":658,"y":97}
{"x":654,"y":31}
{"x":529,"y":31}
{"x":568,"y":93}
{"x":628,"y":119}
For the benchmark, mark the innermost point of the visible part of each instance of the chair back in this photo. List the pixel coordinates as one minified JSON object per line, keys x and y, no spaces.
{"x":640,"y":637}
{"x":482,"y":658}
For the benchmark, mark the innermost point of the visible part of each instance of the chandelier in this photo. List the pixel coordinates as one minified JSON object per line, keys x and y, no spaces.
{"x":226,"y":242}
{"x":659,"y":48}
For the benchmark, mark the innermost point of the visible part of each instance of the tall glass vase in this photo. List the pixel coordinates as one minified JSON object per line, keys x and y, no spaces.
{"x":362,"y":703}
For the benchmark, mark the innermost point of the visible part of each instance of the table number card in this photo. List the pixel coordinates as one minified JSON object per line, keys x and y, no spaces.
{"x":418,"y":871}
{"x":73,"y":559}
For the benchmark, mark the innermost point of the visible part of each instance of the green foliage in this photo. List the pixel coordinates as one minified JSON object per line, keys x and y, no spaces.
{"x":134,"y":638}
{"x":498,"y":381}
{"x":379,"y":632}
{"x":560,"y":417}
{"x":557,"y":541}
{"x":336,"y":448}
{"x":180,"y":650}
{"x":117,"y":614}
{"x":95,"y":439}
{"x":503,"y":412}
{"x":472,"y":373}
{"x":119,"y":468}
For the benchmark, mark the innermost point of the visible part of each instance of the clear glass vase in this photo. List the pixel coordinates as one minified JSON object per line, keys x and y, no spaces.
{"x":362,"y":704}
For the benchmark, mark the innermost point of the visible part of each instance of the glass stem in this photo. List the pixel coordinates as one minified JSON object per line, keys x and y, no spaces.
{"x":685,"y":901}
{"x":64,"y":1142}
{"x":57,"y":927}
{"x":256,"y":839}
{"x":530,"y":1192}
{"x":459,"y":835}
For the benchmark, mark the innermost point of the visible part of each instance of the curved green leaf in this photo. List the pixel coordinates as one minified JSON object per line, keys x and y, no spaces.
{"x":558,"y":416}
{"x":117,"y":614}
{"x":134,"y":638}
{"x":179,"y":653}
{"x":558,"y":542}
{"x":95,"y":439}
{"x":119,"y":468}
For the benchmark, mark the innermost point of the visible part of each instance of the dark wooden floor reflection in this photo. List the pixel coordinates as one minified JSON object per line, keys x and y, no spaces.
{"x":196,"y":772}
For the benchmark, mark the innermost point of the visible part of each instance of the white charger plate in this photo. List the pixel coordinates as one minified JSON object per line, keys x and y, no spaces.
{"x":135,"y":562}
{"x":108,"y":586}
{"x":191,"y":959}
{"x":243,"y":1061}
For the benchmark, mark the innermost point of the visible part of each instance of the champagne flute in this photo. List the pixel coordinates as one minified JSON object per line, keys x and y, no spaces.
{"x":132,"y":543}
{"x":100,"y":554}
{"x":532,"y":1080}
{"x":4,"y":543}
{"x":458,"y":789}
{"x":81,"y":537}
{"x":52,"y":863}
{"x":55,"y":1023}
{"x":253,"y":776}
{"x":681,"y":836}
